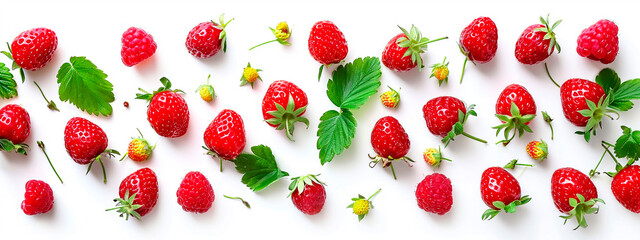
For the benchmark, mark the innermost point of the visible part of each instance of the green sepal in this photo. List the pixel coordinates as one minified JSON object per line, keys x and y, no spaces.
{"x":388,"y":162}
{"x":548,"y":120}
{"x":166,"y":86}
{"x":515,"y":122}
{"x":549,"y":34}
{"x":595,"y":112}
{"x":299,"y":183}
{"x":509,"y":208}
{"x":126,"y":207}
{"x":110,"y":153}
{"x":285,"y":118}
{"x":458,"y":127}
{"x":8,"y":146}
{"x":244,"y":81}
{"x":582,"y":208}
{"x":223,"y":34}
{"x":513,"y":163}
{"x":415,"y":44}
{"x":208,"y":86}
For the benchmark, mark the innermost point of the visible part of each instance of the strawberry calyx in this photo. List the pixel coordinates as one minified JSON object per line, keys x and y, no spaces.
{"x":549,"y":34}
{"x":166,"y":86}
{"x":282,"y":32}
{"x":126,"y":207}
{"x":146,"y":149}
{"x":513,"y":163}
{"x":415,"y":44}
{"x":14,"y":65}
{"x":434,"y":157}
{"x":582,"y":208}
{"x":206,"y":91}
{"x":285,"y":118}
{"x":223,"y":34}
{"x":458,"y":127}
{"x":440,"y":71}
{"x":249,"y":75}
{"x":110,"y":153}
{"x":299,"y":183}
{"x":8,"y":146}
{"x":595,"y":113}
{"x":388,"y":162}
{"x":508,"y":208}
{"x":515,"y":121}
{"x":362,"y":205}
{"x":41,"y":145}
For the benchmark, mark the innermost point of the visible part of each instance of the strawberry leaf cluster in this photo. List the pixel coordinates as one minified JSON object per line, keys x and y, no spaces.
{"x":7,"y":83}
{"x":260,"y":168}
{"x":85,"y":86}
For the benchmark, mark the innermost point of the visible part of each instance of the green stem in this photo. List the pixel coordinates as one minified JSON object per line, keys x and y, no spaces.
{"x":438,"y":39}
{"x":474,"y":138}
{"x":104,"y":172}
{"x":606,"y":149}
{"x":220,"y":163}
{"x":262,"y":44}
{"x":369,"y":199}
{"x":593,"y":171}
{"x":464,"y":65}
{"x":239,"y":198}
{"x":549,"y":74}
{"x":50,"y":104}
{"x":393,"y":171}
{"x":41,"y":145}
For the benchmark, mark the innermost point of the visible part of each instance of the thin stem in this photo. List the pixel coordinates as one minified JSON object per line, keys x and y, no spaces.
{"x":220,"y":163}
{"x":393,"y":171}
{"x":50,"y":104}
{"x":104,"y":172}
{"x":41,"y":145}
{"x":474,"y":138}
{"x":368,"y":199}
{"x":438,"y":39}
{"x":549,"y":74}
{"x":606,"y":149}
{"x":262,"y":44}
{"x":593,"y":171}
{"x":464,"y":65}
{"x":239,"y":198}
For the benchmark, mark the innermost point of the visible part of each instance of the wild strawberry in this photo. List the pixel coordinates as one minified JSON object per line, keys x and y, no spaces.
{"x":308,"y":194}
{"x":327,"y":44}
{"x":478,"y":41}
{"x":626,"y":187}
{"x":575,"y":95}
{"x":599,"y":41}
{"x":139,"y":149}
{"x":362,"y":205}
{"x":38,"y":198}
{"x":137,"y":46}
{"x":15,"y":127}
{"x":32,"y":49}
{"x":538,"y":150}
{"x":573,"y":192}
{"x":85,"y":142}
{"x":441,"y":71}
{"x":433,"y":157}
{"x":402,"y":52}
{"x":195,"y":193}
{"x":206,"y":39}
{"x":390,"y":98}
{"x":434,"y":194}
{"x":500,"y":191}
{"x":283,"y":105}
{"x":282,"y":34}
{"x":168,"y":112}
{"x":138,"y":194}
{"x":390,"y":142}
{"x":515,"y":108}
{"x":445,"y":117}
{"x":537,"y":42}
{"x":225,"y":136}
{"x":206,"y":91}
{"x":249,"y":75}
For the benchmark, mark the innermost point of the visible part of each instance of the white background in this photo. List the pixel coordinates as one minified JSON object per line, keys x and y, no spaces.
{"x":94,"y":30}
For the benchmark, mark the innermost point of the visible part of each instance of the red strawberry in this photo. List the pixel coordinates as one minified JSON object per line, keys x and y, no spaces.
{"x":479,"y":41}
{"x":137,"y":45}
{"x":500,"y":191}
{"x":33,"y":49}
{"x":307,"y":194}
{"x":195,"y":193}
{"x":15,"y":126}
{"x":390,"y":142}
{"x":38,"y":198}
{"x":206,"y":39}
{"x":626,"y":187}
{"x":327,"y":44}
{"x":537,"y":42}
{"x":138,"y":194}
{"x":402,"y":53}
{"x":283,"y":105}
{"x":139,"y":149}
{"x":515,"y":108}
{"x":445,"y":117}
{"x":434,"y":194}
{"x":225,"y":136}
{"x":85,"y":142}
{"x":168,"y":112}
{"x":575,"y":94}
{"x":573,"y":192}
{"x":599,"y":42}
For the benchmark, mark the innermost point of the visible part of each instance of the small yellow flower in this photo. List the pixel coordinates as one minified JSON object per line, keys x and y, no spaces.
{"x":441,"y":71}
{"x":206,"y":91}
{"x":361,"y":207}
{"x":282,"y":31}
{"x":249,"y":75}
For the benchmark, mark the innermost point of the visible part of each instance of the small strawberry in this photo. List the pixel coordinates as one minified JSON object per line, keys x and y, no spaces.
{"x":327,"y":44}
{"x":433,"y":157}
{"x":599,"y":42}
{"x":139,"y":149}
{"x":283,"y":105}
{"x":478,"y":42}
{"x":137,"y":46}
{"x":584,"y":103}
{"x":138,"y":194}
{"x":573,"y":192}
{"x":38,"y":198}
{"x":249,"y":75}
{"x":168,"y":112}
{"x":402,"y":52}
{"x":362,"y":205}
{"x":500,"y":191}
{"x":515,"y":108}
{"x":626,"y":187}
{"x":308,"y":194}
{"x":445,"y":116}
{"x":282,"y":34}
{"x":195,"y":193}
{"x":441,"y":71}
{"x":434,"y":194}
{"x":206,"y":91}
{"x":32,"y":49}
{"x":15,"y":127}
{"x":225,"y":136}
{"x":85,"y":142}
{"x":538,"y":150}
{"x":206,"y":39}
{"x":537,"y":42}
{"x":390,"y":142}
{"x":390,"y":98}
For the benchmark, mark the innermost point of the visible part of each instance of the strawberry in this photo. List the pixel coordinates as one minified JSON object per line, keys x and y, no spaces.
{"x":573,"y":193}
{"x":390,"y":142}
{"x":478,"y":41}
{"x":308,"y":194}
{"x":249,"y":75}
{"x":195,"y":193}
{"x":500,"y":191}
{"x":538,"y":150}
{"x":441,"y":71}
{"x":32,"y":49}
{"x":362,"y":205}
{"x":38,"y":198}
{"x":206,"y":91}
{"x":15,"y":127}
{"x":327,"y":44}
{"x":85,"y":142}
{"x":137,"y":46}
{"x":537,"y":42}
{"x":626,"y":187}
{"x":402,"y":52}
{"x":515,"y":108}
{"x":390,"y":98}
{"x":168,"y":112}
{"x":225,"y":136}
{"x":445,"y":117}
{"x":575,"y":95}
{"x":138,"y":194}
{"x":283,"y":105}
{"x":434,"y":194}
{"x":433,"y":157}
{"x":206,"y":39}
{"x":599,"y":42}
{"x":139,"y":149}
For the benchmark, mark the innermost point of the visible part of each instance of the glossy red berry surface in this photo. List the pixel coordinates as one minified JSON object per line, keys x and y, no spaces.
{"x":168,"y":114}
{"x":84,"y":140}
{"x":393,"y":56}
{"x":15,"y":123}
{"x":311,"y":200}
{"x":441,"y":114}
{"x":496,"y":184}
{"x":327,"y":44}
{"x":566,"y":183}
{"x":225,"y":135}
{"x":34,"y":48}
{"x":195,"y":193}
{"x":389,"y":139}
{"x":626,"y":188}
{"x":480,"y":40}
{"x":574,"y":94}
{"x":531,"y":47}
{"x":38,"y":198}
{"x":144,"y":184}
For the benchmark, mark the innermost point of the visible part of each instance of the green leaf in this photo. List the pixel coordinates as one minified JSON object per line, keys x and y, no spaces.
{"x":260,"y":168}
{"x":628,"y":90}
{"x":85,"y":86}
{"x":352,"y":85}
{"x":7,"y":83}
{"x":608,"y":79}
{"x":628,"y":145}
{"x":335,"y":131}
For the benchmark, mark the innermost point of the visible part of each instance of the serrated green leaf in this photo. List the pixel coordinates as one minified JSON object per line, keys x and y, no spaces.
{"x":608,"y":79}
{"x":628,"y":145}
{"x":7,"y":83}
{"x":628,"y":90}
{"x":335,"y":131}
{"x":260,"y":168}
{"x":352,"y":84}
{"x":85,"y":86}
